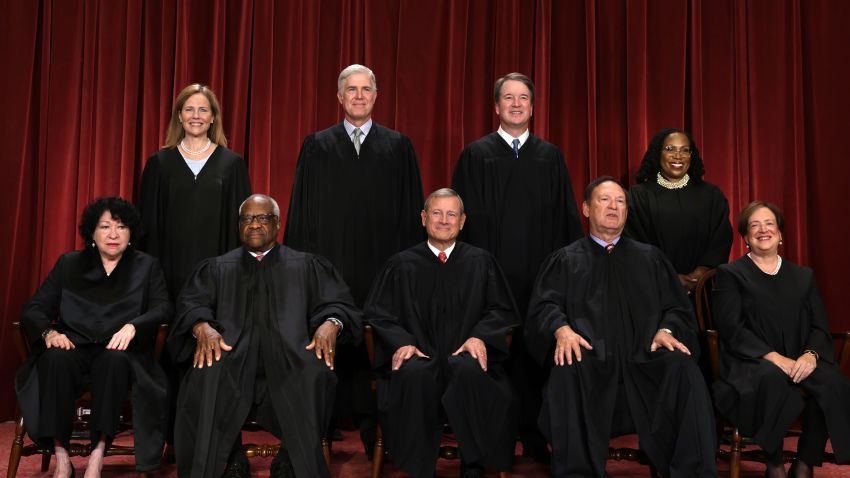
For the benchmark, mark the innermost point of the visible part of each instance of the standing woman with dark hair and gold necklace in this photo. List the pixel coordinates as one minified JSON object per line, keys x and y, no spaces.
{"x":672,"y":208}
{"x":191,"y":189}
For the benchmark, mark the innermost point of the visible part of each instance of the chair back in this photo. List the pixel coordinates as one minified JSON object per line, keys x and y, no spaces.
{"x":703,"y":300}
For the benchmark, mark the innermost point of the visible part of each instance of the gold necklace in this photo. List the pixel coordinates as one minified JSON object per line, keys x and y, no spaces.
{"x":673,"y":184}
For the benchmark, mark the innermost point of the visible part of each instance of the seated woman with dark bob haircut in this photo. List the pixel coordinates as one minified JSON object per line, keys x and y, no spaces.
{"x":775,"y":342}
{"x":94,"y":320}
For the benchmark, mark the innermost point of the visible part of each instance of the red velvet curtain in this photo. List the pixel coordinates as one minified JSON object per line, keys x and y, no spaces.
{"x":88,"y":87}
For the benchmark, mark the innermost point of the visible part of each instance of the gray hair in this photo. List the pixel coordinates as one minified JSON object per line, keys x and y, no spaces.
{"x":444,"y":193}
{"x":352,"y":69}
{"x":261,"y":197}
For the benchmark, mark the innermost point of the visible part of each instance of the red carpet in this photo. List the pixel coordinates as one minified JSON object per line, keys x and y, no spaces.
{"x":349,"y":461}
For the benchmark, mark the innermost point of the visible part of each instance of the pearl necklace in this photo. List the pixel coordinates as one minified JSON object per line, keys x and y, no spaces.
{"x":200,"y":151}
{"x":774,"y":271}
{"x":673,"y":184}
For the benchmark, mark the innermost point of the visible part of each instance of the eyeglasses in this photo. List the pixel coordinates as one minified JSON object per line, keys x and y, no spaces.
{"x":684,"y":150}
{"x":263,"y":219}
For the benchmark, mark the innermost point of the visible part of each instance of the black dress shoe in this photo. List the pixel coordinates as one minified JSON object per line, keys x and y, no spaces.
{"x":281,"y":465}
{"x":237,"y":466}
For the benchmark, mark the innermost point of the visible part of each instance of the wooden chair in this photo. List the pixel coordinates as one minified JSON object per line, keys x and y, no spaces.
{"x":448,"y":452}
{"x":80,"y":428}
{"x":253,"y":450}
{"x":741,"y":447}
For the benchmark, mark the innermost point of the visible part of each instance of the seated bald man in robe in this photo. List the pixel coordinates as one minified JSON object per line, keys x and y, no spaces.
{"x":441,"y":312}
{"x":259,"y":326}
{"x":610,"y":316}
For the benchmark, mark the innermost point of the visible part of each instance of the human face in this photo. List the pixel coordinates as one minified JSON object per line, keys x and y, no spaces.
{"x":111,"y":237}
{"x":357,"y":98}
{"x":606,"y":211}
{"x":514,"y":107}
{"x":763,"y":234}
{"x":443,"y":221}
{"x":258,"y":237}
{"x":675,"y":156}
{"x":196,"y":116}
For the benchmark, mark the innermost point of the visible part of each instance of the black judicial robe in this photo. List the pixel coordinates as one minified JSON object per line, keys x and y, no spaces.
{"x":355,"y":210}
{"x":416,"y":300}
{"x":91,"y":307}
{"x":519,"y":209}
{"x":690,"y":225}
{"x":184,"y":219}
{"x":268,"y":311}
{"x":757,"y":313}
{"x":618,"y":302}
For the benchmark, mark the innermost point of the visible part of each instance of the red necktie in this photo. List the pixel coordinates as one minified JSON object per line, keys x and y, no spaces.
{"x":609,"y":248}
{"x":442,"y":257}
{"x":259,"y":257}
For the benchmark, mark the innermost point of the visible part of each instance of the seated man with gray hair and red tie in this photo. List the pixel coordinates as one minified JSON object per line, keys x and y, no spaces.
{"x":608,"y":315}
{"x":259,"y":326}
{"x":441,"y":312}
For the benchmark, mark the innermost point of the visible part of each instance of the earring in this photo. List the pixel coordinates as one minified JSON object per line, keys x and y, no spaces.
{"x":92,"y":243}
{"x":747,"y":244}
{"x":780,"y":242}
{"x":129,"y":243}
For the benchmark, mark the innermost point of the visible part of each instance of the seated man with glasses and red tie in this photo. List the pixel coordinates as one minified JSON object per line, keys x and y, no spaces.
{"x":441,"y":312}
{"x":608,"y":314}
{"x":259,"y":326}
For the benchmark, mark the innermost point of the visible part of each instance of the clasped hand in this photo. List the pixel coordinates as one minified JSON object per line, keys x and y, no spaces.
{"x":797,"y":370}
{"x":120,"y":340}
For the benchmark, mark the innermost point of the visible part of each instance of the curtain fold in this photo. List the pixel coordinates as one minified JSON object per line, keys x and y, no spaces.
{"x":88,"y":87}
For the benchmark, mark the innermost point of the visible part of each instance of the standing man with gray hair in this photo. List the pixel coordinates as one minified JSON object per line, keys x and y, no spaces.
{"x":521,"y":207}
{"x":355,"y":200}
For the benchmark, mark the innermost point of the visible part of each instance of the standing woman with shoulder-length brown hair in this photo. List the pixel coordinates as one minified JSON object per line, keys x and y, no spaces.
{"x":191,"y":189}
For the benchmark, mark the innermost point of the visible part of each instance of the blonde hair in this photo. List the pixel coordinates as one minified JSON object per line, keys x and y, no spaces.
{"x":175,"y":132}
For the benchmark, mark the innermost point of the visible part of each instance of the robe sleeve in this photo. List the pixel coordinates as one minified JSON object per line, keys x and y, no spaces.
{"x":465,"y":183}
{"x":499,"y":314}
{"x":158,"y":309}
{"x":720,"y":243}
{"x":820,"y":338}
{"x":570,"y":218}
{"x":410,"y":202}
{"x":297,"y":233}
{"x":677,"y":313}
{"x":728,"y":313}
{"x":639,"y":222}
{"x":197,"y":302}
{"x":151,"y":208}
{"x":238,"y":189}
{"x":43,"y":308}
{"x":547,"y":308}
{"x":382,"y":309}
{"x":330,"y":297}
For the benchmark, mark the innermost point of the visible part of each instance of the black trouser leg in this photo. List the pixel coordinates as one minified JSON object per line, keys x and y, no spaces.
{"x":110,"y":380}
{"x":810,"y":447}
{"x":60,"y":374}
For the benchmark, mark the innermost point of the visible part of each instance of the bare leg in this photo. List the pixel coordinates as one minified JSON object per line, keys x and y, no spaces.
{"x":63,"y":461}
{"x":96,"y":460}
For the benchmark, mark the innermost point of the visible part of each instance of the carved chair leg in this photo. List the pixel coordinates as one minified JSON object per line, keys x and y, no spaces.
{"x":735,"y":455}
{"x":17,"y":446}
{"x":326,"y":451}
{"x":378,"y":453}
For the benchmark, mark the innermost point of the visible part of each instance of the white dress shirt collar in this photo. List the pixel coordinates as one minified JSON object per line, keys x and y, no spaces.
{"x":510,"y":139}
{"x":436,"y":251}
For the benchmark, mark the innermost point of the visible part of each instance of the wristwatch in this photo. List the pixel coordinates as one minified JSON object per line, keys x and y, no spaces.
{"x":336,"y":322}
{"x":47,"y":332}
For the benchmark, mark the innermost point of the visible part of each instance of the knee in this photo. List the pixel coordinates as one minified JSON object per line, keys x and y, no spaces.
{"x":113,"y":361}
{"x":55,"y":358}
{"x":464,"y":367}
{"x":414,"y":371}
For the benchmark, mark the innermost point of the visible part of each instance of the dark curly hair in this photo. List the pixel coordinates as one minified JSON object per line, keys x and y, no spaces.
{"x":651,"y":164}
{"x":120,"y":209}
